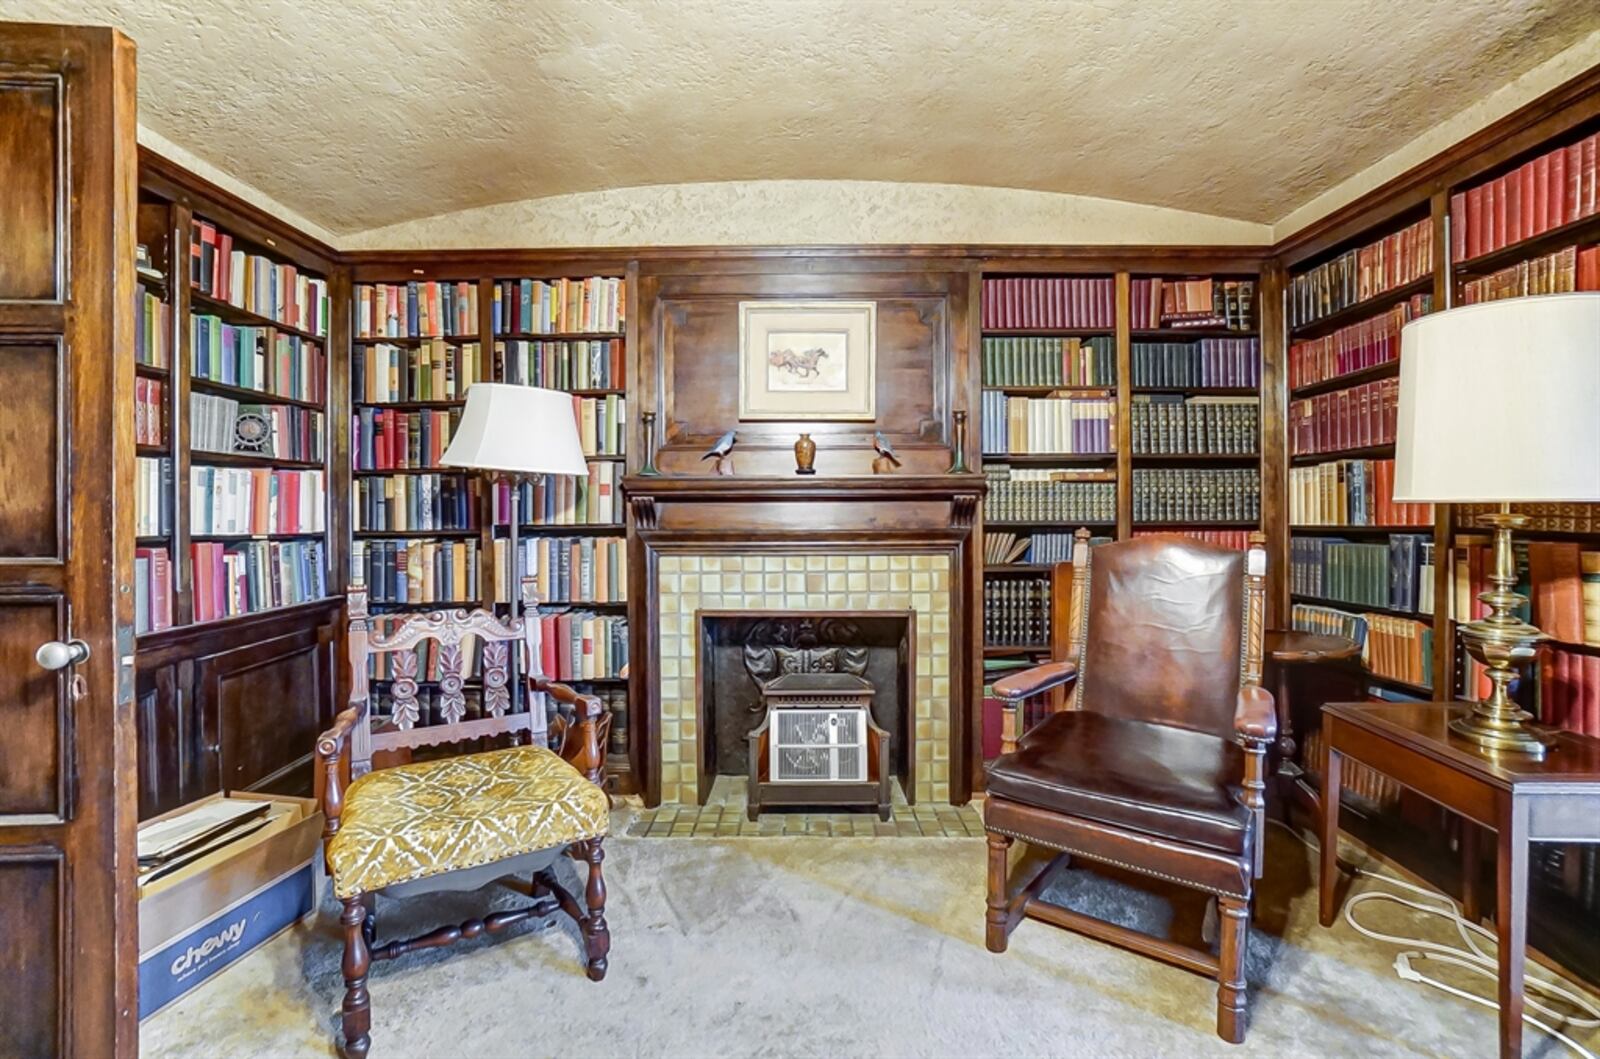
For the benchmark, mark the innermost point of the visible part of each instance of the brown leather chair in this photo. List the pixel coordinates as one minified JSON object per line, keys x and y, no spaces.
{"x":1157,"y":764}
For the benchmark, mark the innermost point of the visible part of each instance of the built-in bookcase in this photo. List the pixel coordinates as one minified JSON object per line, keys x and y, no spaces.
{"x":1125,"y":402}
{"x":231,"y":376}
{"x":1360,"y":565}
{"x":425,"y":536}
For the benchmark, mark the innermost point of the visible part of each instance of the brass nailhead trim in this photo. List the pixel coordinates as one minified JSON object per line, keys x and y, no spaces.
{"x":1191,"y":884}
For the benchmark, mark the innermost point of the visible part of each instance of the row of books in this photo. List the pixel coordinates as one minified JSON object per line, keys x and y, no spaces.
{"x":1569,"y":690}
{"x":602,"y":424}
{"x":1195,"y":302}
{"x":1008,"y":549}
{"x":1169,"y":424}
{"x":221,"y":424}
{"x":1238,"y":540}
{"x":1556,"y":188}
{"x":1196,"y":494}
{"x":1397,"y":648}
{"x":1558,"y":272}
{"x":1000,"y":549}
{"x":1353,"y":418}
{"x":152,"y":505}
{"x":596,"y":364}
{"x":1207,"y":362}
{"x":1016,"y":612}
{"x":287,"y":366}
{"x":1366,"y":783}
{"x":1044,"y":302}
{"x":1350,"y":493}
{"x":410,"y":503}
{"x":1048,"y":548}
{"x":256,"y":500}
{"x":416,"y":309}
{"x":1038,"y":494}
{"x":1560,"y":580}
{"x":569,"y":569}
{"x":1396,"y":574}
{"x":152,"y":330}
{"x":1354,"y":347}
{"x":233,"y":579}
{"x":1542,"y":518}
{"x":1049,"y":361}
{"x":429,"y":655}
{"x":256,"y":283}
{"x":434,"y":370}
{"x":149,"y":411}
{"x":563,"y":500}
{"x":581,"y":645}
{"x":1356,"y":275}
{"x":416,"y":571}
{"x":615,"y":701}
{"x":386,"y":439}
{"x":152,"y":590}
{"x":1075,"y":424}
{"x":595,"y":304}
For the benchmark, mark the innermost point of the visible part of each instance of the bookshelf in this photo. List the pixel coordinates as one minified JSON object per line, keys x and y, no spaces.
{"x":1360,"y":565}
{"x":1164,"y":361}
{"x":421,"y":336}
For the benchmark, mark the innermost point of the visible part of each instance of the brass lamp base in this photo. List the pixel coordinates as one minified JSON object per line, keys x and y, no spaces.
{"x":1501,"y":642}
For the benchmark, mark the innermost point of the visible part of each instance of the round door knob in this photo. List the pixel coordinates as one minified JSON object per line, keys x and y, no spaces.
{"x":58,"y":655}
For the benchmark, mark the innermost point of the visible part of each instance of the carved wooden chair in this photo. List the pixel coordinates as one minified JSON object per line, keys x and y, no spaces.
{"x":1157,"y":762}
{"x":462,"y":822}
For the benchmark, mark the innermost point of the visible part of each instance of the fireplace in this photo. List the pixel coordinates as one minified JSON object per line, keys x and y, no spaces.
{"x":740,"y":649}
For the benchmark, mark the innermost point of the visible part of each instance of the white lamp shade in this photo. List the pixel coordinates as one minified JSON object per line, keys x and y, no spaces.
{"x":1501,"y":402}
{"x":518,"y":430}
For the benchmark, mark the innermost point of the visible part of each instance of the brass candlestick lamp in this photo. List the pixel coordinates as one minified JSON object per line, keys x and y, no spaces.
{"x":1500,"y":403}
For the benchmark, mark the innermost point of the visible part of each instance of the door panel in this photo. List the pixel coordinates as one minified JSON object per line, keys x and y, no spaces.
{"x":32,"y":773}
{"x":30,"y":950}
{"x":68,"y":904}
{"x":30,"y":167}
{"x":30,"y":450}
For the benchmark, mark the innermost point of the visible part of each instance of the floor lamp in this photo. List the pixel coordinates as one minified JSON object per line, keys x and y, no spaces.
{"x":513,"y":433}
{"x":1500,"y":403}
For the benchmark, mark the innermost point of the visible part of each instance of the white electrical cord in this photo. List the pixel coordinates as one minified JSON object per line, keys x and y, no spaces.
{"x":1472,"y":957}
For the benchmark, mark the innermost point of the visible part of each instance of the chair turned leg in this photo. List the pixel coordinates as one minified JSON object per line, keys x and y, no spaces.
{"x":995,"y":925}
{"x":369,"y":925}
{"x":596,"y":935}
{"x":1235,"y":926}
{"x":357,"y":1010}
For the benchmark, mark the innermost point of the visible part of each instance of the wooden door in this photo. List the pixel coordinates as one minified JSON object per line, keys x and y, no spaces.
{"x":68,"y":913}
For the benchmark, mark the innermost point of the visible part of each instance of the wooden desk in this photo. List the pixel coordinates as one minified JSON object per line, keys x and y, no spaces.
{"x":1554,"y":800}
{"x":1288,"y":651}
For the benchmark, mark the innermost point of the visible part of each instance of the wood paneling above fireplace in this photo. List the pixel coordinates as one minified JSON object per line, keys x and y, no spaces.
{"x":688,"y":359}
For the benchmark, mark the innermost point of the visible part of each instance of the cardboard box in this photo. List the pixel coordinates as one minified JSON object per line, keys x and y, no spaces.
{"x":204,"y":917}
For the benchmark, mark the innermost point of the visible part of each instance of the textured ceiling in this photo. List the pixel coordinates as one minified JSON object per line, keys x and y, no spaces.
{"x":365,"y":113}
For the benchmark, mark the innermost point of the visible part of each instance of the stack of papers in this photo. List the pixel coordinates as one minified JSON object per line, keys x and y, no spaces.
{"x":167,"y":845}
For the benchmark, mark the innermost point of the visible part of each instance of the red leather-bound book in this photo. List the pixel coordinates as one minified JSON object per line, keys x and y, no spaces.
{"x":1458,"y":226}
{"x":1562,"y":595}
{"x":1475,"y":217}
{"x":1591,"y":148}
{"x":1501,"y":221}
{"x":1541,"y":198}
{"x":160,"y":590}
{"x":1588,"y":277}
{"x":1519,"y":203}
{"x":1566,"y":173}
{"x":1591,"y":694}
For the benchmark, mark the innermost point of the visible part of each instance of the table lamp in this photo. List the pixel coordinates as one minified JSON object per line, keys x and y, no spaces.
{"x":515,"y":432}
{"x":1500,"y":403}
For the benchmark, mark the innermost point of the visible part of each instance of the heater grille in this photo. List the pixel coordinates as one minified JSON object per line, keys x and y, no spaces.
{"x":812,"y":745}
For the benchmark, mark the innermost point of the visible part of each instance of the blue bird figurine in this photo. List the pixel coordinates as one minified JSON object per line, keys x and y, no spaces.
{"x":887,"y":461}
{"x":720,"y":452}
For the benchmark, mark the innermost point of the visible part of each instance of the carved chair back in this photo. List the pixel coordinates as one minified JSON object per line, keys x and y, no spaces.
{"x":1166,"y":629}
{"x":467,"y":646}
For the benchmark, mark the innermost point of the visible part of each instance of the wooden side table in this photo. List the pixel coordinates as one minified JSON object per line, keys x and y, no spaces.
{"x":1554,"y":800}
{"x":1289,"y":651}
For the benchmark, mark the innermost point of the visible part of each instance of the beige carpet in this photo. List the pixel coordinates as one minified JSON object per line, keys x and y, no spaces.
{"x":830,"y":947}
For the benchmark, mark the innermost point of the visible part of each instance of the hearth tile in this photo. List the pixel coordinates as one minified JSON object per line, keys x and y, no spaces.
{"x":752,"y":581}
{"x":690,"y":584}
{"x":836,"y":562}
{"x":670,"y":727}
{"x":794,"y":581}
{"x":878,"y":562}
{"x":922,"y":602}
{"x":669,"y":690}
{"x":669,"y":665}
{"x":940,"y":622}
{"x":816,"y":582}
{"x":796,"y":563}
{"x":924,"y":732}
{"x":938,"y":663}
{"x":924,"y":686}
{"x":688,"y":729}
{"x":878,"y":581}
{"x":816,"y":562}
{"x":855,"y":563}
{"x":900,"y":562}
{"x":921,"y":580}
{"x":899,"y":581}
{"x":941,"y":687}
{"x":670,"y":564}
{"x":669,"y":752}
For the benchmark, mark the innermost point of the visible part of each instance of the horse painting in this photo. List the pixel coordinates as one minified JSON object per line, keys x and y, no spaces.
{"x":804,"y":365}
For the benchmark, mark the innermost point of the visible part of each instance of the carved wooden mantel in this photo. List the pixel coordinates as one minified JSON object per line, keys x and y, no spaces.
{"x":814,"y":516}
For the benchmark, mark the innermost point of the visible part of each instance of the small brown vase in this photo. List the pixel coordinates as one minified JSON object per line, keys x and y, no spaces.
{"x":805,"y":454}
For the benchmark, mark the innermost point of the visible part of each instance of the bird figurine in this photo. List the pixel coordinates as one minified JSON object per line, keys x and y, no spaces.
{"x":721,"y":453}
{"x":887,"y":461}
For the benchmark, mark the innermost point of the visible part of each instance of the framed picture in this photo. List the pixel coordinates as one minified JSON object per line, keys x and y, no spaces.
{"x":807,"y":360}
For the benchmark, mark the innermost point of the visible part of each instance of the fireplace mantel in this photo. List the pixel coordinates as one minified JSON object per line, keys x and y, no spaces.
{"x":842,"y":536}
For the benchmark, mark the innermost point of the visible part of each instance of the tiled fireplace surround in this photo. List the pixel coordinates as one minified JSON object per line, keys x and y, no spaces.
{"x":691,"y":583}
{"x":867,"y":543}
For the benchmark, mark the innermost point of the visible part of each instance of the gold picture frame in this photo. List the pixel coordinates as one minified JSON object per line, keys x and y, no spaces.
{"x":808,"y":360}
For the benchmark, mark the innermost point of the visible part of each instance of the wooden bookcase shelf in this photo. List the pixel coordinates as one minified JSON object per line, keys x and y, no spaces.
{"x":245,"y":395}
{"x":1363,"y":309}
{"x":1386,"y":370}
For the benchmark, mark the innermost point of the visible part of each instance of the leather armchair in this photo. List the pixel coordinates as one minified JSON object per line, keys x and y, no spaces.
{"x":1157,"y":760}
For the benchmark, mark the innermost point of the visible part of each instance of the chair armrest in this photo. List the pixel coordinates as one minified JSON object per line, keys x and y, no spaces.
{"x":1255,"y":716}
{"x":1018,"y":686}
{"x":582,"y":743}
{"x":331,"y":753}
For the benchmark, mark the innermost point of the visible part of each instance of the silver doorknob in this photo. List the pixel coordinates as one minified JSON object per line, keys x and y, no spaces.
{"x":58,"y":655}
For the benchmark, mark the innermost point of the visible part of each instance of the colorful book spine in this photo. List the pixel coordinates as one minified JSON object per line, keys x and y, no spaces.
{"x":1048,"y":360}
{"x":152,"y":330}
{"x":387,"y":439}
{"x":1037,"y":303}
{"x":563,"y":500}
{"x":420,"y":571}
{"x":1016,"y":612}
{"x":1035,"y":494}
{"x":1193,"y":302}
{"x":1353,"y":418}
{"x":1354,"y":347}
{"x":1350,"y":493}
{"x":1170,"y":424}
{"x":152,"y":590}
{"x":1196,"y":495}
{"x":1366,"y":272}
{"x":1558,"y":272}
{"x":1553,"y":189}
{"x":253,"y":576}
{"x":251,"y":501}
{"x":568,"y":570}
{"x":411,"y":503}
{"x":416,"y":309}
{"x":596,"y":364}
{"x":256,"y":283}
{"x":1233,"y":363}
{"x":594,"y":305}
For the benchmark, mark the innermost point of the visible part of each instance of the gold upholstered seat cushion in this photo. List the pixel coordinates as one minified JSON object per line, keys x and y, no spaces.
{"x":432,"y":817}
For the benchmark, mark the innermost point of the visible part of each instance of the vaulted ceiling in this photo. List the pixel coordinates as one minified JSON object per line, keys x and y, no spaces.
{"x":364,"y":113}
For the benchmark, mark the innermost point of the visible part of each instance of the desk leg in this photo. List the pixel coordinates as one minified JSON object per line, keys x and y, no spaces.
{"x":1328,"y":873}
{"x":1511,"y":920}
{"x":1469,"y":871}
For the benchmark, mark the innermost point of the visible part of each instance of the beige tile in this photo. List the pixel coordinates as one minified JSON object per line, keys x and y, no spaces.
{"x":670,"y":564}
{"x":794,"y":563}
{"x":878,"y":562}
